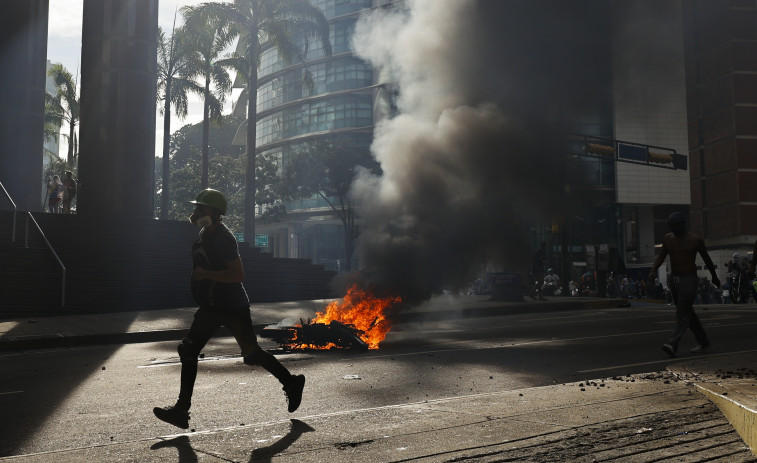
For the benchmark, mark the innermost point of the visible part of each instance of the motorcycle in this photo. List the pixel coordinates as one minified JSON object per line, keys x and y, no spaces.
{"x":551,"y":289}
{"x":739,"y":285}
{"x":573,"y":288}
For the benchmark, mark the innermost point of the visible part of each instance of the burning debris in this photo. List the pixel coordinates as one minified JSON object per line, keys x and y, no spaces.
{"x":358,"y":321}
{"x":312,"y":335}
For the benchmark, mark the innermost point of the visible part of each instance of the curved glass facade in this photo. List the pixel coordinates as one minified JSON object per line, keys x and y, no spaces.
{"x":337,"y":108}
{"x":340,"y":112}
{"x":333,"y":8}
{"x":340,"y":33}
{"x":330,"y":76}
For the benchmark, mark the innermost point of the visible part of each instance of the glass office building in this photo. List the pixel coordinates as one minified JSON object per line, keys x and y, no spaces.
{"x":340,"y":105}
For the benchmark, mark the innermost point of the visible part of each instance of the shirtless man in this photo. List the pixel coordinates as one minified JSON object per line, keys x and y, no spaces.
{"x":683,"y":246}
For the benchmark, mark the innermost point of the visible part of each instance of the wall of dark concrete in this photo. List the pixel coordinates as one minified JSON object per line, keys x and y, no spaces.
{"x":23,"y":55}
{"x":117,"y":131}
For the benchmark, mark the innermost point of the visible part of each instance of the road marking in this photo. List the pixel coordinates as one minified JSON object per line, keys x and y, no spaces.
{"x":668,"y":360}
{"x":499,"y":345}
{"x":168,"y":363}
{"x":11,"y":392}
{"x":505,"y":345}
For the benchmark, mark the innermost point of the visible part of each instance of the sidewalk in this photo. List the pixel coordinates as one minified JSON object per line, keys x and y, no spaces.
{"x":728,"y":382}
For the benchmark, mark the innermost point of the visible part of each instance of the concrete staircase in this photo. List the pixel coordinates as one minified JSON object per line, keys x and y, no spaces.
{"x":115,"y":264}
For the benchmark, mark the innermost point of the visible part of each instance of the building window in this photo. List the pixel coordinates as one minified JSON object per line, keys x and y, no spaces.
{"x":332,"y":76}
{"x":319,"y":116}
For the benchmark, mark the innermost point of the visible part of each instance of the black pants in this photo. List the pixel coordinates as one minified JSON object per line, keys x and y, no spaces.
{"x":206,"y":322}
{"x":684,"y":290}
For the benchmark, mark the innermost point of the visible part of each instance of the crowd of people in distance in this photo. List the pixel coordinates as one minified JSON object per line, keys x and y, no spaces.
{"x":61,"y":194}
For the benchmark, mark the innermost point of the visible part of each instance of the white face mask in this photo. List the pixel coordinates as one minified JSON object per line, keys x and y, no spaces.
{"x":204,"y":221}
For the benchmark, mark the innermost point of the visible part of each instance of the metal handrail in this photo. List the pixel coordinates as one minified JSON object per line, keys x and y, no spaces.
{"x":13,"y":232}
{"x":55,"y":254}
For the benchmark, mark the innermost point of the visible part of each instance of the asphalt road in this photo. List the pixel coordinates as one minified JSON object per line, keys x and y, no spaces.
{"x":86,"y":397}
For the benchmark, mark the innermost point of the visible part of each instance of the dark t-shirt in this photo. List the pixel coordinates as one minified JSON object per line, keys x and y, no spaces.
{"x":70,"y":185}
{"x":212,"y":252}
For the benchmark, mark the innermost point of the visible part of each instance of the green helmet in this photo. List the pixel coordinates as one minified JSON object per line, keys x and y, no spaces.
{"x":212,"y":198}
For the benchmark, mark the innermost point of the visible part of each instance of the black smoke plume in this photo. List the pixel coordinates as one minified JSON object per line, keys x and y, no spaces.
{"x":487,"y":91}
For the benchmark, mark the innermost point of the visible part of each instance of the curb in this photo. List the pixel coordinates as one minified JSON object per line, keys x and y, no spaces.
{"x":742,"y":418}
{"x":59,"y":340}
{"x":73,"y":340}
{"x":524,"y":307}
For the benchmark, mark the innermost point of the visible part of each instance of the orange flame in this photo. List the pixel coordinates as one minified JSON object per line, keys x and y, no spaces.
{"x":360,"y":308}
{"x":294,"y":345}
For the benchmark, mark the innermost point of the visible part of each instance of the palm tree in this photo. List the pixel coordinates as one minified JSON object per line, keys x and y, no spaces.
{"x":173,"y":85}
{"x":206,"y":42}
{"x":53,"y":117}
{"x":63,"y":106}
{"x":260,"y":24}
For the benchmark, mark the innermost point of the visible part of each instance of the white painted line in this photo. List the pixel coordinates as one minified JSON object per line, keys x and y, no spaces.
{"x":11,"y":392}
{"x":431,"y":403}
{"x":668,"y":360}
{"x":169,"y":363}
{"x":505,"y":344}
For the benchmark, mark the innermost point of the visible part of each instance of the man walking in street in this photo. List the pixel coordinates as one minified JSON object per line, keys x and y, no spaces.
{"x":217,"y":278}
{"x":683,"y":246}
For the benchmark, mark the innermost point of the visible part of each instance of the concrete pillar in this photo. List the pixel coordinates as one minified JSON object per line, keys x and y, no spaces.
{"x":23,"y":57}
{"x":117,"y":131}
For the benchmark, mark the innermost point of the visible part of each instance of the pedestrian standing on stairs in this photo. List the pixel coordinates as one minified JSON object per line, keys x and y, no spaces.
{"x":683,"y":246}
{"x":54,"y":194}
{"x":69,"y":192}
{"x":216,"y":284}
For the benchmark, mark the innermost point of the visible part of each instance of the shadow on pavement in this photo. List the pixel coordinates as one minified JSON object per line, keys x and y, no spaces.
{"x":182,"y":444}
{"x":266,"y":454}
{"x":44,"y":395}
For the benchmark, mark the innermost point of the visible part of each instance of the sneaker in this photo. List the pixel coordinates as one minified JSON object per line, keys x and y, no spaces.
{"x":669,"y":350}
{"x":293,"y":391}
{"x":699,"y":348}
{"x":173,"y":415}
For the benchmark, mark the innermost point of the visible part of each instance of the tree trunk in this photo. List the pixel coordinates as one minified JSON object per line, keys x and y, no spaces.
{"x":165,"y":198}
{"x":348,"y":222}
{"x":71,"y":141}
{"x":76,"y":150}
{"x":252,"y":91}
{"x":205,"y":135}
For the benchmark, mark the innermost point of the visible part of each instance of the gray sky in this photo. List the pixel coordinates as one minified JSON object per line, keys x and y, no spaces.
{"x":64,"y":46}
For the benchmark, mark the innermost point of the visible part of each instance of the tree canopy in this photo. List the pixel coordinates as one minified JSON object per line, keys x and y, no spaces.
{"x":326,"y":168}
{"x":226,"y":172}
{"x":63,"y":106}
{"x":259,"y":24}
{"x":174,"y":81}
